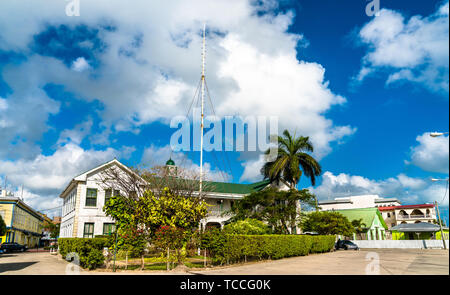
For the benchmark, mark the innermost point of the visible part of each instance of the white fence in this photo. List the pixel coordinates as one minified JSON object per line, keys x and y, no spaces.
{"x":401,"y":244}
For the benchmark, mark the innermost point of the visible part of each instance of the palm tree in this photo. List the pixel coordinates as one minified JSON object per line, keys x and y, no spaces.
{"x":292,"y":161}
{"x":360,"y":227}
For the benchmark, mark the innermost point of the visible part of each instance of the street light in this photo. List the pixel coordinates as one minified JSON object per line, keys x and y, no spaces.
{"x":439,"y":215}
{"x":439,"y":179}
{"x":437,"y":134}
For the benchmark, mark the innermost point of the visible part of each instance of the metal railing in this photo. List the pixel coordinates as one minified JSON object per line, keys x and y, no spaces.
{"x":399,"y":216}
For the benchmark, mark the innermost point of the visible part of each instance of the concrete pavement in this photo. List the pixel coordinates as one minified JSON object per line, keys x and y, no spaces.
{"x":33,"y":263}
{"x":391,"y":261}
{"x":376,"y":261}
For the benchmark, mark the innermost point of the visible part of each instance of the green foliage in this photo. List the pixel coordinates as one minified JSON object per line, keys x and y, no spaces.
{"x":359,"y":226}
{"x":232,"y":248}
{"x":94,"y":259}
{"x":213,"y":240}
{"x":291,"y":155}
{"x":89,"y":251}
{"x":171,"y":237}
{"x":138,"y":219}
{"x":2,"y":227}
{"x":168,"y":209}
{"x":327,"y":223}
{"x":52,"y":228}
{"x":247,"y":226}
{"x":277,"y":208}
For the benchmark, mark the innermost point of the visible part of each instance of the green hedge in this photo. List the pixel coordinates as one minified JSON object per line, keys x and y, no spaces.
{"x":232,"y":248}
{"x":90,"y":251}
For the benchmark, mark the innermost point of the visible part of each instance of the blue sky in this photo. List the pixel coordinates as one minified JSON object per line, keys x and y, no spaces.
{"x":76,"y":91}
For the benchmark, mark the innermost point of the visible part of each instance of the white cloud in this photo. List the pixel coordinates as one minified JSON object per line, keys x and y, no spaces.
{"x":408,"y":190}
{"x":252,"y":169}
{"x":156,"y":80}
{"x":77,"y":134}
{"x":80,"y":65}
{"x":414,"y":50}
{"x":46,"y":176}
{"x":432,"y":153}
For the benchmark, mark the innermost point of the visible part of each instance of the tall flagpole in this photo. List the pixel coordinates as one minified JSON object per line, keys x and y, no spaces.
{"x":203,"y":99}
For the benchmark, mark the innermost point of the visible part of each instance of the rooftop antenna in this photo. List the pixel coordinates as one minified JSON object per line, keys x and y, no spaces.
{"x":203,"y":99}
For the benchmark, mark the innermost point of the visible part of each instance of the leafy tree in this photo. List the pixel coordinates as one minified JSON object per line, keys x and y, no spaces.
{"x":145,"y":215}
{"x":169,"y":209}
{"x":247,"y":226}
{"x":273,"y":206}
{"x":171,"y":237}
{"x":52,"y":228}
{"x":359,"y":227}
{"x":327,"y":223}
{"x":2,"y":226}
{"x":291,"y":156}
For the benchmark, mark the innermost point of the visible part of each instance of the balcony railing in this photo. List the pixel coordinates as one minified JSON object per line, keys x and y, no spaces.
{"x":217,"y":212}
{"x":399,"y":216}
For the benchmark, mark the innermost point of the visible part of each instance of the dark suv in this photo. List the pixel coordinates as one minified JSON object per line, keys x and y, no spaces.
{"x":346,"y":245}
{"x":11,"y":247}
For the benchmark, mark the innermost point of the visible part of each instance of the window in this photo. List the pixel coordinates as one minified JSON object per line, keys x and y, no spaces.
{"x":88,"y":230}
{"x":91,"y":197}
{"x":389,"y":215}
{"x":108,"y":228}
{"x":108,"y":194}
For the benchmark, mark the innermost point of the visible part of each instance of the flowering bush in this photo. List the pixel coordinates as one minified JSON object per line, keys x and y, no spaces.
{"x":171,"y":237}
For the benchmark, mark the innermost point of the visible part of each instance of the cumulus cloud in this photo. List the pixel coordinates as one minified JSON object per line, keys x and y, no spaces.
{"x":414,"y":49}
{"x":408,"y":190}
{"x":46,"y":176}
{"x":146,"y":69}
{"x":75,"y":135}
{"x":80,"y":64}
{"x":141,"y":63}
{"x":252,"y":169}
{"x":431,"y":154}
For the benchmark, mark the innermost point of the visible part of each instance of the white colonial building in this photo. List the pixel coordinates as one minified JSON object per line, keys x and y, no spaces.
{"x":85,"y":196}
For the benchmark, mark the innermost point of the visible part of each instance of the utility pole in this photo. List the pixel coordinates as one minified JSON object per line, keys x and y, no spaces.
{"x":203,"y":99}
{"x":440,"y":225}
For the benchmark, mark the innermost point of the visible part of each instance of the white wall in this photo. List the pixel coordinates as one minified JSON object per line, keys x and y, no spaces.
{"x":400,"y":244}
{"x":92,"y":214}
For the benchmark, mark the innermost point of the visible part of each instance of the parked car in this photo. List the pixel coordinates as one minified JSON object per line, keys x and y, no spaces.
{"x":346,"y":245}
{"x":11,"y":247}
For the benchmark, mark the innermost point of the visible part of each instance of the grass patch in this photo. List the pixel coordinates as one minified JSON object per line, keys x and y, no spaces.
{"x":194,"y":264}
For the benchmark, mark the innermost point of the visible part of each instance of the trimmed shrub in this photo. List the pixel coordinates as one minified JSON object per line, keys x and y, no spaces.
{"x":90,"y":251}
{"x":248,"y":226}
{"x":232,"y":248}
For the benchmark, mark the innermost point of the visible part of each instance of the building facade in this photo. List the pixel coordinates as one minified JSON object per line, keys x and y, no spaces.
{"x":395,"y":215}
{"x":357,"y":202}
{"x":85,"y":196}
{"x":24,"y":225}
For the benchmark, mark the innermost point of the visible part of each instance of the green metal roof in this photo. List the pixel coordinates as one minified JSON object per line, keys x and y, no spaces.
{"x":170,"y":162}
{"x":366,"y":214}
{"x":235,"y":188}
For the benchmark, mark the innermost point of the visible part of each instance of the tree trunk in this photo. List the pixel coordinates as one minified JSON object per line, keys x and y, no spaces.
{"x":142,"y":262}
{"x":126,"y":260}
{"x":168,"y":259}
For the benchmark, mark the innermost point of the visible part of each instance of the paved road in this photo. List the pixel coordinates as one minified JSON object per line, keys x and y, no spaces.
{"x":392,"y":261}
{"x":31,"y":263}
